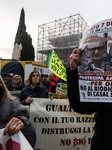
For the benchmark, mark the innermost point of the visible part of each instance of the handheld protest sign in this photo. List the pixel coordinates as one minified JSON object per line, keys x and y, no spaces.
{"x":57,"y":67}
{"x":95,"y":71}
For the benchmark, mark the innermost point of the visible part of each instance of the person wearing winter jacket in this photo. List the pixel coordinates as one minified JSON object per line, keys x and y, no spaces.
{"x":12,"y":116}
{"x":102,"y":138}
{"x":34,"y":88}
{"x":16,"y":84}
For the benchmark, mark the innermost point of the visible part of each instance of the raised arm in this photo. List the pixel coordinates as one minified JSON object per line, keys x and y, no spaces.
{"x":73,"y":86}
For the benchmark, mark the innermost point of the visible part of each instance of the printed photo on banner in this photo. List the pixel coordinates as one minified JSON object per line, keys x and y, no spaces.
{"x":95,"y":71}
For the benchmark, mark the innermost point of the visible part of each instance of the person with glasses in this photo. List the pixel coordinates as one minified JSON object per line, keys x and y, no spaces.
{"x":16,"y":84}
{"x":33,"y":88}
{"x":95,"y":56}
{"x":96,"y":51}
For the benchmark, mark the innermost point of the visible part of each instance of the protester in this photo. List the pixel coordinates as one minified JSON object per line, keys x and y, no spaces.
{"x":5,"y":80}
{"x":16,"y":84}
{"x":44,"y":82}
{"x":12,"y":116}
{"x":9,"y":78}
{"x":34,"y":88}
{"x":102,"y":138}
{"x":51,"y":84}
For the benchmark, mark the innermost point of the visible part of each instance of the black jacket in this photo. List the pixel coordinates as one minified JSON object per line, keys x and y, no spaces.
{"x":11,"y":87}
{"x":103,"y":113}
{"x":53,"y":87}
{"x":37,"y":92}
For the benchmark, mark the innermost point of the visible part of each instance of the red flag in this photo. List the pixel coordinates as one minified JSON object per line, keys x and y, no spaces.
{"x":56,"y":78}
{"x":11,"y":145}
{"x":1,"y":148}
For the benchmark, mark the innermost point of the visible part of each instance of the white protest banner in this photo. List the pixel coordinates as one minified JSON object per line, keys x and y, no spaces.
{"x":14,"y":142}
{"x":95,"y":71}
{"x":58,"y":127}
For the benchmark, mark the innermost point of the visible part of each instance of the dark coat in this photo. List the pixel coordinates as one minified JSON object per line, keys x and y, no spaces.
{"x":37,"y":92}
{"x":51,"y":86}
{"x":102,"y":138}
{"x":10,"y":109}
{"x":11,"y":87}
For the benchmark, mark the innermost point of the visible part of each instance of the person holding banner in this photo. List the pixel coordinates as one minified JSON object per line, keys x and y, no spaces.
{"x":12,"y":117}
{"x":34,"y":88}
{"x":102,"y":138}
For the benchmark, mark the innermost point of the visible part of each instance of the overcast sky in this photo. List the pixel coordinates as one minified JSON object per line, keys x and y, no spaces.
{"x":38,"y":12}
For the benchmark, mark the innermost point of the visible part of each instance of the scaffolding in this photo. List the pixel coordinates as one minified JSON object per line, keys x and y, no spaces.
{"x":62,"y":35}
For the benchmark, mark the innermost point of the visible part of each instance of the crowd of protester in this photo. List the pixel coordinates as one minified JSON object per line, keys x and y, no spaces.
{"x":15,"y":82}
{"x":35,"y":86}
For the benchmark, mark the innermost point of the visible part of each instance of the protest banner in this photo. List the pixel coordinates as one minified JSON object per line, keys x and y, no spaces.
{"x":58,"y":127}
{"x":95,"y":71}
{"x":61,"y":91}
{"x":57,"y":67}
{"x":59,"y":96}
{"x":14,"y":142}
{"x":64,"y":86}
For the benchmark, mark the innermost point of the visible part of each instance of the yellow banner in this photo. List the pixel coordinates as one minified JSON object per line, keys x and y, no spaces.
{"x":59,"y":96}
{"x":64,"y":86}
{"x":57,"y":67}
